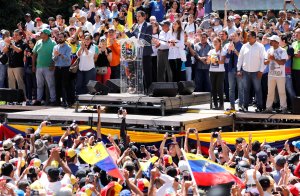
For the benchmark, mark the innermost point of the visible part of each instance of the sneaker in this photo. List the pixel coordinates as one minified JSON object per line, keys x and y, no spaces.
{"x":284,"y":110}
{"x":268,"y":110}
{"x":36,"y":103}
{"x":258,"y":110}
{"x":245,"y":109}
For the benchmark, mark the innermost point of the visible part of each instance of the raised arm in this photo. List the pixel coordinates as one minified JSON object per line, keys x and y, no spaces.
{"x":162,"y":145}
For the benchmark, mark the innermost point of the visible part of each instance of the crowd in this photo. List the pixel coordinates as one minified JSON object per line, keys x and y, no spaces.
{"x":37,"y":165}
{"x":245,"y":58}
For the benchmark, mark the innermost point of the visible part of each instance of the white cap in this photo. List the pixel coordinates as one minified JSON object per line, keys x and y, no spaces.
{"x":250,"y":176}
{"x":274,"y":38}
{"x":183,"y":166}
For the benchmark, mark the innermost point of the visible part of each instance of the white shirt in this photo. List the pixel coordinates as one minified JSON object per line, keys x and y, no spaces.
{"x":275,"y":69}
{"x":153,"y":47}
{"x":251,"y":58}
{"x":54,"y":187}
{"x":89,"y":27}
{"x":140,"y":29}
{"x":230,"y":30}
{"x":167,"y":186}
{"x":87,"y":60}
{"x":30,"y":26}
{"x":174,"y":51}
{"x":164,"y":36}
{"x":189,"y":27}
{"x":216,"y":67}
{"x":96,"y":27}
{"x":218,"y":29}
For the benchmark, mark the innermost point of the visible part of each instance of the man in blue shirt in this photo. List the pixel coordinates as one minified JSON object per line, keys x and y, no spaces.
{"x":62,"y":59}
{"x":157,"y":10}
{"x":233,"y":49}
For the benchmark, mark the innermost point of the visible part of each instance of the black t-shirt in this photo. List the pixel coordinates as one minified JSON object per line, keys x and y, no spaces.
{"x":16,"y":59}
{"x":102,"y":60}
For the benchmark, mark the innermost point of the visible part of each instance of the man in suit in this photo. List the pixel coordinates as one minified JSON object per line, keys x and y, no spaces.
{"x":143,"y":30}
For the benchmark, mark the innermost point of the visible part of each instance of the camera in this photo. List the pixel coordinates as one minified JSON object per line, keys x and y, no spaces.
{"x":215,"y":134}
{"x":82,"y":138}
{"x":48,"y":123}
{"x":169,"y":134}
{"x":192,"y":130}
{"x":120,"y":111}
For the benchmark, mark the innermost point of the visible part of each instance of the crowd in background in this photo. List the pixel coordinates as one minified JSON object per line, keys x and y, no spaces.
{"x":244,"y":58}
{"x":37,"y":164}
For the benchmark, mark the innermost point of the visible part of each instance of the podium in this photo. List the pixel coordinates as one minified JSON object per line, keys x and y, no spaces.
{"x":131,"y":67}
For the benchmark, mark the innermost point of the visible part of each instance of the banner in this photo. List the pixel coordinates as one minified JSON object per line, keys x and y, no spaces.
{"x":275,"y":138}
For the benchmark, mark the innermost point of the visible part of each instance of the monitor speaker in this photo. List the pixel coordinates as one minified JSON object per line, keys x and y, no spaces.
{"x":186,"y":87}
{"x":296,"y":105}
{"x":163,"y":89}
{"x":96,"y":87}
{"x":114,"y":85}
{"x":12,"y":95}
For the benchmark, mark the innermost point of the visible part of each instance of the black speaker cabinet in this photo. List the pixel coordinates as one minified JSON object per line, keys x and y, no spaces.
{"x":114,"y":85}
{"x":96,"y":87}
{"x":12,"y":95}
{"x":186,"y":87}
{"x":163,"y":89}
{"x":296,"y":105}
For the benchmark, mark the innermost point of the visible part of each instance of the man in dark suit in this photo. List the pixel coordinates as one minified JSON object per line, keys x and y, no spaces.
{"x":143,"y":30}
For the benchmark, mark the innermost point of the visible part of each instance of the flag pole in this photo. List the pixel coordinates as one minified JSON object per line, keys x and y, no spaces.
{"x":189,"y":167}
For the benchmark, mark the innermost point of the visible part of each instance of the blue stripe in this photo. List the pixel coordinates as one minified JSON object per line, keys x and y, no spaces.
{"x":205,"y":166}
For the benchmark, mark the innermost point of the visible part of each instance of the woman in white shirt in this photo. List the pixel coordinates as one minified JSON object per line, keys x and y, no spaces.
{"x":86,"y":71}
{"x":155,"y":33}
{"x":216,"y":59}
{"x":176,"y":50}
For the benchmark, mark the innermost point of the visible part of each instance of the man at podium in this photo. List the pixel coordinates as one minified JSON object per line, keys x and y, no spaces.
{"x":143,"y":30}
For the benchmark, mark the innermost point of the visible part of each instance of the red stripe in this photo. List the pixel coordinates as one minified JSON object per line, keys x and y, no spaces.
{"x":212,"y":179}
{"x":115,"y":173}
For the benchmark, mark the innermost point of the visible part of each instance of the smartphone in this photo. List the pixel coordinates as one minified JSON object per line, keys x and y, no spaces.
{"x":48,"y":123}
{"x":287,"y":1}
{"x":91,"y":178}
{"x":169,"y":134}
{"x":82,"y":138}
{"x":27,"y":136}
{"x":192,"y":130}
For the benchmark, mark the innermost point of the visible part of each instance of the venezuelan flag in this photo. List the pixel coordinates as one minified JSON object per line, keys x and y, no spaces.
{"x":98,"y":155}
{"x":146,"y":167}
{"x":208,"y":173}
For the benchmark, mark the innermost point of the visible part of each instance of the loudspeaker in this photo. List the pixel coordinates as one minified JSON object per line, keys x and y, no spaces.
{"x":114,"y":85}
{"x":296,"y":105}
{"x":12,"y":95}
{"x":96,"y":87}
{"x":163,"y":89}
{"x":186,"y":87}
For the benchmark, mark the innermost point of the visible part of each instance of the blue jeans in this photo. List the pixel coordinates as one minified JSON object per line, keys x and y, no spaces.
{"x":3,"y":72}
{"x":83,"y":77}
{"x":289,"y":87}
{"x":233,"y":80}
{"x":248,"y":79}
{"x":42,"y":75}
{"x":202,"y":80}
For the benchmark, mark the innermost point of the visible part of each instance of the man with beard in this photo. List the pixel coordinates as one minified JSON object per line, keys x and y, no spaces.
{"x":62,"y":59}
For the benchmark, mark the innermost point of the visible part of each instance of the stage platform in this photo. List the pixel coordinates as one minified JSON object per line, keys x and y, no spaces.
{"x":202,"y":120}
{"x":143,"y":101}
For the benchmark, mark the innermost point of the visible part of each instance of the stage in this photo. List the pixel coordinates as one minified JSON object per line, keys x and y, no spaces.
{"x":202,"y":120}
{"x":144,"y":102}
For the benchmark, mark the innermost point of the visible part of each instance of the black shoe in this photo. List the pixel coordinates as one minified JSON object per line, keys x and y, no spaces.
{"x":36,"y":103}
{"x":52,"y":103}
{"x":258,"y":110}
{"x":245,"y":109}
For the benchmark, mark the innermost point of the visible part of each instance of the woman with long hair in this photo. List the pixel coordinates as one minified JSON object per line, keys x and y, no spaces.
{"x":155,"y":34}
{"x":86,"y":71}
{"x":30,"y":79}
{"x":103,"y":62}
{"x":216,"y":59}
{"x":174,"y":9}
{"x":176,"y":50}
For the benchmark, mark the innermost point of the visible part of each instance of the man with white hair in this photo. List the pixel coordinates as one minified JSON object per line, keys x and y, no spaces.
{"x":86,"y":25}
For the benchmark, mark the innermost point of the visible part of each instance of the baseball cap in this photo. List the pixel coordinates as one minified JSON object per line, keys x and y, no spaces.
{"x":113,"y":186}
{"x":39,"y":146}
{"x":262,"y":156}
{"x":35,"y":162}
{"x":165,"y":22}
{"x":7,"y":144}
{"x":46,"y":31}
{"x":296,"y":144}
{"x":167,"y":160}
{"x":183,"y":166}
{"x":231,"y":18}
{"x":143,"y":185}
{"x":70,"y":153}
{"x":27,"y":14}
{"x":38,"y":19}
{"x":236,"y":16}
{"x":274,"y":38}
{"x":111,"y":29}
{"x":125,"y":192}
{"x":280,"y":160}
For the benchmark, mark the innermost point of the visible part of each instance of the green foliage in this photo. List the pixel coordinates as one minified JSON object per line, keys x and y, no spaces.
{"x":13,"y":11}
